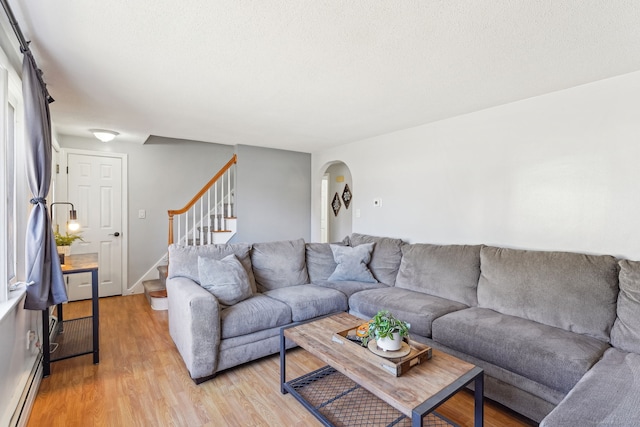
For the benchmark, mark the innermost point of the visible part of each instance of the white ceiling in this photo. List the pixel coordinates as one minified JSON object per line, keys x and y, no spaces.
{"x":308,"y":74}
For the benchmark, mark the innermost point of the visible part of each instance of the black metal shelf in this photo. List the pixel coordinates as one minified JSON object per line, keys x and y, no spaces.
{"x":74,"y":338}
{"x":78,"y":336}
{"x":338,"y":401}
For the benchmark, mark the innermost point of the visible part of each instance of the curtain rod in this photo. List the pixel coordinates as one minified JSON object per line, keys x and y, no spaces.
{"x":24,"y":47}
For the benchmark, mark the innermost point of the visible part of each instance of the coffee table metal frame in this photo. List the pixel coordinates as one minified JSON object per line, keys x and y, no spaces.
{"x":475,"y":375}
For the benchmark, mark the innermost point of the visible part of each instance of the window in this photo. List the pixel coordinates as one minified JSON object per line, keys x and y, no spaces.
{"x":7,"y":192}
{"x":10,"y":184}
{"x":11,"y":193}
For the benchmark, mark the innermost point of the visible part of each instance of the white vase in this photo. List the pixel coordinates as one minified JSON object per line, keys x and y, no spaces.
{"x":388,"y":344}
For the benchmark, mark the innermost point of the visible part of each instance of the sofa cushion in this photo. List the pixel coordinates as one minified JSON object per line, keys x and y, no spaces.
{"x":626,"y":329}
{"x":183,"y":260}
{"x":253,"y":314}
{"x":607,"y":395}
{"x":309,"y":301}
{"x":279,"y":264}
{"x":386,"y":256}
{"x":446,"y":271}
{"x":226,"y":279}
{"x":572,"y":291}
{"x":320,"y":262}
{"x":349,"y":287}
{"x":551,"y":356}
{"x":416,"y":308}
{"x":351,"y":263}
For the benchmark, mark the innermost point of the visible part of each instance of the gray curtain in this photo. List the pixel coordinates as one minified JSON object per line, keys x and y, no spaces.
{"x":42,"y":262}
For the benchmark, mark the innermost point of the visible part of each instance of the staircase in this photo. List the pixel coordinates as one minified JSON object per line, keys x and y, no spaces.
{"x":156,"y":290}
{"x":207,"y":219}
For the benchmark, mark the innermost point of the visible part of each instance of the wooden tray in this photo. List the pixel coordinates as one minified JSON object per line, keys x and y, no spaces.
{"x":419,"y":353}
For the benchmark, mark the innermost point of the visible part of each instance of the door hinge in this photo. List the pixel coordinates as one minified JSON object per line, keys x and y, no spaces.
{"x":67,"y":170}
{"x":57,"y":168}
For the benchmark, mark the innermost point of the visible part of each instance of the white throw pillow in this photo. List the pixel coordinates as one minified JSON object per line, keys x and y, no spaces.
{"x":226,"y":279}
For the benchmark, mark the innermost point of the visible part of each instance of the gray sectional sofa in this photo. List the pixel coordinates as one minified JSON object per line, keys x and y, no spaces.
{"x":557,"y":333}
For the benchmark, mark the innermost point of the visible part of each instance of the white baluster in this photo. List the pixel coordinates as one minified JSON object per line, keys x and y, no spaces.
{"x":229,"y":194}
{"x":193,"y":227}
{"x":179,"y":234}
{"x":215,"y":206}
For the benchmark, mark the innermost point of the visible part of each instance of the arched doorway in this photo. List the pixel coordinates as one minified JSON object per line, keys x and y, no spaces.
{"x":335,"y":204}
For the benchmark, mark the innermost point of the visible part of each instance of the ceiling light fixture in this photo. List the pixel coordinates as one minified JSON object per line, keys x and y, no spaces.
{"x":104,"y":135}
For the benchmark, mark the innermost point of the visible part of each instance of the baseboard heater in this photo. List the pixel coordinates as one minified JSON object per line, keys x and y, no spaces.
{"x":21,"y":415}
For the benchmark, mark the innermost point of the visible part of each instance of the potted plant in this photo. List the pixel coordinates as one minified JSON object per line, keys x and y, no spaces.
{"x":388,"y":331}
{"x":63,"y":242}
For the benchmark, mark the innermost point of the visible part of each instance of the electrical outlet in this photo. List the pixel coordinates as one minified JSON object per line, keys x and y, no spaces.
{"x":31,"y":335}
{"x":142,"y":214}
{"x":377,"y":202}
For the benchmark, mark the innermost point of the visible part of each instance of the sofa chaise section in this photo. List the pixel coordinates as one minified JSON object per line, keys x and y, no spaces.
{"x":609,"y":394}
{"x":545,"y":316}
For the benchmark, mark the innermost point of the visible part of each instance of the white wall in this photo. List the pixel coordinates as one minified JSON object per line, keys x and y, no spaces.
{"x":559,"y":171}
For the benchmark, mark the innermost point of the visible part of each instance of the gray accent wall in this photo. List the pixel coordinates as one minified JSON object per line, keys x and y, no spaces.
{"x":274,"y":195}
{"x":164,"y":173}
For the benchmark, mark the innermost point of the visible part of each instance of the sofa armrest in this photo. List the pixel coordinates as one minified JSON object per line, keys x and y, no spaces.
{"x":194,"y":326}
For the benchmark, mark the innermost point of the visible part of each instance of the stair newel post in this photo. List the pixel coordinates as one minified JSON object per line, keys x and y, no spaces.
{"x":209,"y":217}
{"x":170,"y":228}
{"x":222,"y":201}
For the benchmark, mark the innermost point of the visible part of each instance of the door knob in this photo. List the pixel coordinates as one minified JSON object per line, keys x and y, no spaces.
{"x":116,"y":234}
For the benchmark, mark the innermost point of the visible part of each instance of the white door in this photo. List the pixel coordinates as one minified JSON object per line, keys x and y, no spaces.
{"x":94,"y":186}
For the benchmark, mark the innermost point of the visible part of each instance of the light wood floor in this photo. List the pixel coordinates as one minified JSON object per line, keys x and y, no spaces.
{"x":141,"y":381}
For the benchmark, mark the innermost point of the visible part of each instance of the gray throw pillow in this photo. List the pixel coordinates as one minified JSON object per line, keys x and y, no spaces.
{"x":226,"y":279}
{"x":352,"y":263}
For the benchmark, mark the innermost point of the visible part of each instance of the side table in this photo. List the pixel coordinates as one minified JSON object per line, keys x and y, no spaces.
{"x":75,"y":337}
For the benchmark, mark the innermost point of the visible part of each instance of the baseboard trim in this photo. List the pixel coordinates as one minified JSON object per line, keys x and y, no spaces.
{"x":23,"y":411}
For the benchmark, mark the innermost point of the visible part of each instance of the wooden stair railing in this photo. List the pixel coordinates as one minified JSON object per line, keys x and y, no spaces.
{"x":200,"y":197}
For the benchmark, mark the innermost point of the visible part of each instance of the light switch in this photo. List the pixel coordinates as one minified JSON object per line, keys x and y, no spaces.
{"x":142,"y":214}
{"x":377,"y":203}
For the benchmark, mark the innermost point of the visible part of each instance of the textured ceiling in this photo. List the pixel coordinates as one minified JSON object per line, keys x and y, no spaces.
{"x":308,"y":74}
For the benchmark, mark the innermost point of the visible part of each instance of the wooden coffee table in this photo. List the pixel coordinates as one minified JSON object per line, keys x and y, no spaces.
{"x":353,"y":391}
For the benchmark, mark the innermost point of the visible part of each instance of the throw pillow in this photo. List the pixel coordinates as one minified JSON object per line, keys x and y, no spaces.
{"x":352,"y":263}
{"x":226,"y":279}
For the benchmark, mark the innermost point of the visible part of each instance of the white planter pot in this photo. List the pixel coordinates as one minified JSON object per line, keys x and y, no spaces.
{"x":388,"y":344}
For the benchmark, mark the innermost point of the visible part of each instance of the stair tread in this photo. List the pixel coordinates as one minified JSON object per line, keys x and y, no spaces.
{"x":152,"y":285}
